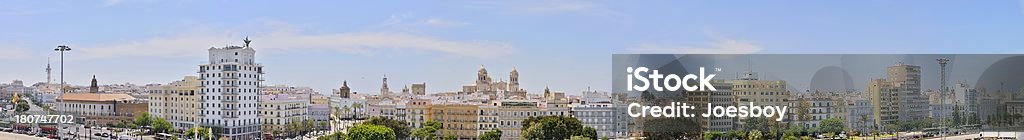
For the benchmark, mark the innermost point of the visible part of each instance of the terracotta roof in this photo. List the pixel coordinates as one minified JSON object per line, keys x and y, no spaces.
{"x":96,"y":97}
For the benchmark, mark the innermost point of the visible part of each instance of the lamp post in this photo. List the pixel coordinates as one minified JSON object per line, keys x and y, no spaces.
{"x":61,"y":49}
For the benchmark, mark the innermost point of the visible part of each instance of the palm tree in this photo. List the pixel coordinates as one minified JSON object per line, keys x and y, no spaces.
{"x":291,"y":128}
{"x":276,"y":131}
{"x":322,"y":125}
{"x":308,"y":127}
{"x":863,"y":120}
{"x":355,"y":112}
{"x":346,"y":109}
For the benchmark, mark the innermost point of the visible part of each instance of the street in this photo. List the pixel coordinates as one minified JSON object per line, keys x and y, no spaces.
{"x":15,"y":136}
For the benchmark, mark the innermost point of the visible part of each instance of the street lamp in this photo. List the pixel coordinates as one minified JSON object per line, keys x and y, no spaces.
{"x":62,"y":49}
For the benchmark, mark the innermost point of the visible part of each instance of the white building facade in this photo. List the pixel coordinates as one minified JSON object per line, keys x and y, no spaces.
{"x":229,"y":88}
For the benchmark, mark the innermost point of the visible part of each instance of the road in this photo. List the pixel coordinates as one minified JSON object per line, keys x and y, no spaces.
{"x":9,"y":135}
{"x":960,"y":137}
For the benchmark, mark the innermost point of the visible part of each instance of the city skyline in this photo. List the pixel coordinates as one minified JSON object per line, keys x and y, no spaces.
{"x":321,"y":45}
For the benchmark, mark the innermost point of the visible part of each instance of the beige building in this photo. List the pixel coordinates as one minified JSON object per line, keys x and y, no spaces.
{"x":419,"y":89}
{"x":898,"y":97}
{"x":417,"y":111}
{"x":511,"y":114}
{"x":907,"y":79}
{"x":177,"y":102}
{"x":102,"y":109}
{"x":885,"y":102}
{"x":749,"y":88}
{"x":459,"y":120}
{"x":723,"y":96}
{"x":276,"y":111}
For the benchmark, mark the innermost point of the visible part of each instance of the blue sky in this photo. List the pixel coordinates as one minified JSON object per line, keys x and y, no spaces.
{"x":564,"y":44}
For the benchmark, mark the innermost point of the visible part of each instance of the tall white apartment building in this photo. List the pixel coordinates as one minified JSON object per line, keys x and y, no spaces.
{"x":229,"y":87}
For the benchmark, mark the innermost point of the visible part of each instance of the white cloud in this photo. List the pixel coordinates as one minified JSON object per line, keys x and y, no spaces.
{"x":437,"y":22}
{"x":723,"y":46}
{"x":194,"y":44}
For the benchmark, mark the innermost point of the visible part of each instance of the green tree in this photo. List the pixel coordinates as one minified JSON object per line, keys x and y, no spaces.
{"x":491,"y":135}
{"x":832,"y":125}
{"x":794,"y":130}
{"x":322,"y":125}
{"x":292,"y":128}
{"x":346,"y":109}
{"x":802,"y":112}
{"x":428,"y":132}
{"x":198,"y":132}
{"x":400,"y":127}
{"x":754,"y":135}
{"x":355,"y":110}
{"x":22,"y":106}
{"x":308,"y":127}
{"x":553,"y":127}
{"x":733,"y":134}
{"x":333,"y":136}
{"x":370,"y":132}
{"x":161,"y":125}
{"x":143,"y":119}
{"x":588,"y":132}
{"x":670,"y":128}
{"x":712,"y":135}
{"x":450,"y":137}
{"x":893,"y":127}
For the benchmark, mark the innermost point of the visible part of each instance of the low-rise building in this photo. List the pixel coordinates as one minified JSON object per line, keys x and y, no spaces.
{"x":599,"y":115}
{"x":104,"y":109}
{"x":176,"y":102}
{"x":277,"y":111}
{"x":511,"y":114}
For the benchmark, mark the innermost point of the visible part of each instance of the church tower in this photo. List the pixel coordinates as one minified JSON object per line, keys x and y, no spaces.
{"x":482,"y":77}
{"x":513,"y":80}
{"x":344,"y":91}
{"x":384,"y":87}
{"x":94,"y":88}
